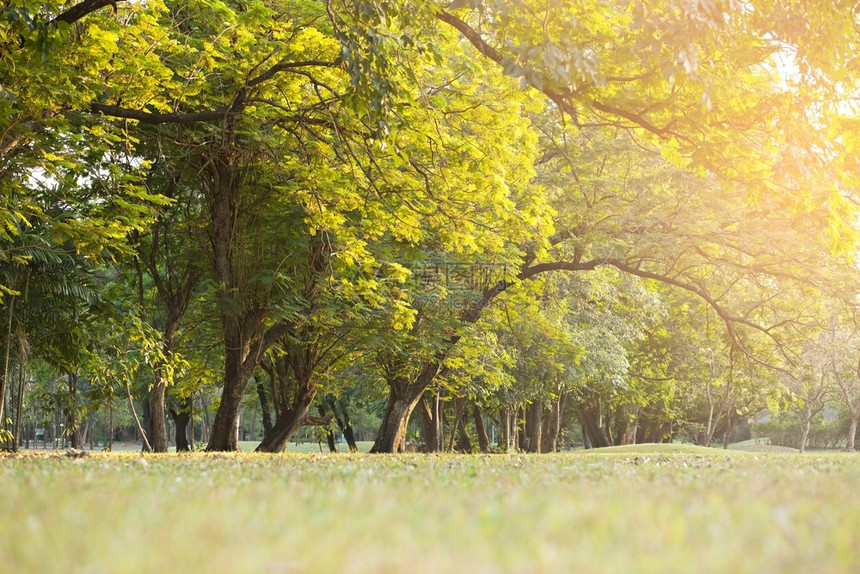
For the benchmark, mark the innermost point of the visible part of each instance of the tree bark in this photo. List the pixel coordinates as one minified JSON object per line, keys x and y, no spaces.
{"x":429,"y":426}
{"x":181,"y":418}
{"x":288,"y":423}
{"x":264,"y":408}
{"x":521,"y":436}
{"x":402,"y":399}
{"x":5,"y":375}
{"x":22,"y":371}
{"x":302,"y":362}
{"x":343,"y":422}
{"x":481,"y":430}
{"x":329,"y":435}
{"x":392,"y":432}
{"x":158,"y":416}
{"x":552,"y":425}
{"x":805,"y":426}
{"x":71,"y":415}
{"x":591,"y":424}
{"x":534,"y":426}
{"x":730,"y":425}
{"x":852,"y":427}
{"x":464,"y":443}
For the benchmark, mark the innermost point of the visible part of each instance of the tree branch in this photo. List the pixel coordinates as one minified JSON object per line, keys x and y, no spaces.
{"x":85,"y":8}
{"x":285,"y":66}
{"x":156,"y":118}
{"x":729,"y":319}
{"x":533,"y":270}
{"x":558,"y":98}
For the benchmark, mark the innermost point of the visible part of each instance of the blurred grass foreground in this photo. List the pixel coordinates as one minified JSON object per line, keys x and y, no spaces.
{"x":635,"y":510}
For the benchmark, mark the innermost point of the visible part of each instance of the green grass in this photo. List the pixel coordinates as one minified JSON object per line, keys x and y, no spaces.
{"x":651,"y":510}
{"x":653,"y":448}
{"x":309,"y":447}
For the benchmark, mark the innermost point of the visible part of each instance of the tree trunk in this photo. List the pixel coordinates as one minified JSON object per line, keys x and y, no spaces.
{"x":290,"y":420}
{"x":329,"y":435}
{"x":508,"y":435}
{"x":590,"y":420}
{"x":157,"y":416}
{"x":204,"y":420}
{"x":402,"y":399}
{"x":805,"y":426}
{"x":181,"y":418}
{"x":110,"y":425}
{"x":503,"y":443}
{"x":429,"y":428}
{"x":535,"y":427}
{"x":392,"y":432}
{"x":343,"y":423}
{"x":146,"y":446}
{"x":5,"y":374}
{"x":264,"y":408}
{"x":72,"y":415}
{"x":253,"y":431}
{"x":621,"y":427}
{"x":552,"y":425}
{"x":480,"y":429}
{"x":464,"y":443}
{"x":244,"y":336}
{"x":730,"y":425}
{"x":852,"y":428}
{"x":146,"y":424}
{"x":224,"y":432}
{"x":190,"y":400}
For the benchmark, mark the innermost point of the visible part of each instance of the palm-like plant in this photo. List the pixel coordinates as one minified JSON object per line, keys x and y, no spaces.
{"x":48,"y":292}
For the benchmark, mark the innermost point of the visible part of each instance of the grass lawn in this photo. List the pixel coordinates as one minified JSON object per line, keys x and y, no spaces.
{"x":626,"y":510}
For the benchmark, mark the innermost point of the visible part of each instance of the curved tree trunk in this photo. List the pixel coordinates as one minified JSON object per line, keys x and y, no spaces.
{"x":146,"y":445}
{"x":290,"y":420}
{"x":240,"y":326}
{"x":302,"y":362}
{"x":402,"y":399}
{"x":243,"y":351}
{"x":392,"y":432}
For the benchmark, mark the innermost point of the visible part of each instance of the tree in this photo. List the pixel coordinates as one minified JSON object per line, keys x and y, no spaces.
{"x":168,"y":254}
{"x":701,"y":146}
{"x":840,"y":342}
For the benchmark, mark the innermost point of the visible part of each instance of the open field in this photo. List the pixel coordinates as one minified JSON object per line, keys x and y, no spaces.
{"x":643,"y":509}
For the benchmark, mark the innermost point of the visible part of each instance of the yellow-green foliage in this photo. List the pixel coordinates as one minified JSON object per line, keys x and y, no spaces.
{"x":651,"y":511}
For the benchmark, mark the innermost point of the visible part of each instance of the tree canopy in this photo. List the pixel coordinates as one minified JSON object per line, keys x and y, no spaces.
{"x":627,"y":207}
